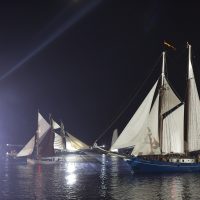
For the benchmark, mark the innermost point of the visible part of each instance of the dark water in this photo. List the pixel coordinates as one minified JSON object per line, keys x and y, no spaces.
{"x":92,"y":177}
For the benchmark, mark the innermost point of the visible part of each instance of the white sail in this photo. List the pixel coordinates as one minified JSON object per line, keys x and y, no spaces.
{"x":58,"y":142}
{"x":55,"y":125}
{"x":193,"y":110}
{"x":75,"y":143}
{"x":147,"y":141}
{"x":114,"y":138}
{"x":28,"y":148}
{"x":136,"y":124}
{"x":43,"y":127}
{"x":169,"y":100}
{"x":173,"y":132}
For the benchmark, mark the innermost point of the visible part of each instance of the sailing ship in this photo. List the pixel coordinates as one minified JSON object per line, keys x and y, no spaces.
{"x":40,"y":149}
{"x":65,"y":142}
{"x":164,"y":131}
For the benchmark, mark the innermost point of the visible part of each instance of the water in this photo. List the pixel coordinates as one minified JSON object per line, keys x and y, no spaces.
{"x":92,"y":177}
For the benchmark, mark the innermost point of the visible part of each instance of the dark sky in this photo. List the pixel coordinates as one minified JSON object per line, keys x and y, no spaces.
{"x":83,"y":60}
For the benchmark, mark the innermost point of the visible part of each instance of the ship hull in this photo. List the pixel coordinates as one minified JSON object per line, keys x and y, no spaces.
{"x":45,"y":161}
{"x":155,"y":166}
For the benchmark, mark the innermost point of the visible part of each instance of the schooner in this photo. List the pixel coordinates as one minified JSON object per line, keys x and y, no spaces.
{"x":164,"y":131}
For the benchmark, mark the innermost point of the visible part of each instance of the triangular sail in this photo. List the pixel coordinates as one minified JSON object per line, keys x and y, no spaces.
{"x":46,"y":146}
{"x":43,"y":127}
{"x":133,"y":128}
{"x":173,"y":129}
{"x":76,"y":143}
{"x":55,"y":125}
{"x":147,"y":141}
{"x":169,"y":98}
{"x":193,"y":110}
{"x":28,"y":148}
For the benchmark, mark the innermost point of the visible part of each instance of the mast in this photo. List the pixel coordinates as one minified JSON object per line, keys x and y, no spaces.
{"x":63,"y":135}
{"x":37,"y":138}
{"x":187,"y":100}
{"x":161,"y":92}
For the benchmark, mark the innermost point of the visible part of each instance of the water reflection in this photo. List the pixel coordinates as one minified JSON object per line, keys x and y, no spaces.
{"x":103,"y":176}
{"x":70,"y":175}
{"x":84,"y":177}
{"x":71,"y":179}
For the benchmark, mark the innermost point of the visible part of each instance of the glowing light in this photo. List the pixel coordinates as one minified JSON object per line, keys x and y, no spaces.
{"x":71,"y":167}
{"x":74,"y":19}
{"x":71,"y":179}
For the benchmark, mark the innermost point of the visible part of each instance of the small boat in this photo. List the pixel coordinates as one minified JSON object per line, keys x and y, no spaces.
{"x":40,"y":148}
{"x":164,"y":130}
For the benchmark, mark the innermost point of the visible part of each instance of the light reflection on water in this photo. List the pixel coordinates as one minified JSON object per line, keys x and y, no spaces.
{"x":92,"y":177}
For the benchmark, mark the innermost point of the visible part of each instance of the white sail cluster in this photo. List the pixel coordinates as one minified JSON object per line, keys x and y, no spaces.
{"x":43,"y":128}
{"x":157,"y":127}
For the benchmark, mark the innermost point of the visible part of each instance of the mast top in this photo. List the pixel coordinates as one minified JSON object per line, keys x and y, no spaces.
{"x":163,"y":68}
{"x":190,"y":70}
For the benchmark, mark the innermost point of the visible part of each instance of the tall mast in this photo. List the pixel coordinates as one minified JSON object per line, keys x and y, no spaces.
{"x":161,"y":92}
{"x":188,"y":93}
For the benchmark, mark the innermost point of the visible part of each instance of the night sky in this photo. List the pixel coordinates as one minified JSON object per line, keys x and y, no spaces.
{"x":83,"y":61}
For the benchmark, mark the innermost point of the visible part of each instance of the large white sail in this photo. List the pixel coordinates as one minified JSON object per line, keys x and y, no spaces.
{"x":28,"y":148}
{"x":75,"y":143}
{"x":43,"y":127}
{"x":58,"y":142}
{"x":193,"y":110}
{"x":169,"y":98}
{"x":136,"y":124}
{"x":147,"y":140}
{"x":173,"y":132}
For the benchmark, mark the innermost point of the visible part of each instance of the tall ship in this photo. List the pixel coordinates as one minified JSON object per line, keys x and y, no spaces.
{"x":48,"y":141}
{"x":165,"y":131}
{"x":40,"y":148}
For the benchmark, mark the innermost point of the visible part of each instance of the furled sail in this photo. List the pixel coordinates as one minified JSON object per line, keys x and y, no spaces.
{"x":28,"y":148}
{"x":173,"y":129}
{"x":136,"y":124}
{"x":193,"y":110}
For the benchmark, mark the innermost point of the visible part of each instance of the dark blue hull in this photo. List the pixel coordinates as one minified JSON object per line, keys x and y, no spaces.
{"x":154,"y":166}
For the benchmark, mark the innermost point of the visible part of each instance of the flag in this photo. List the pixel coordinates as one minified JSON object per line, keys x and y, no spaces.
{"x":169,"y":45}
